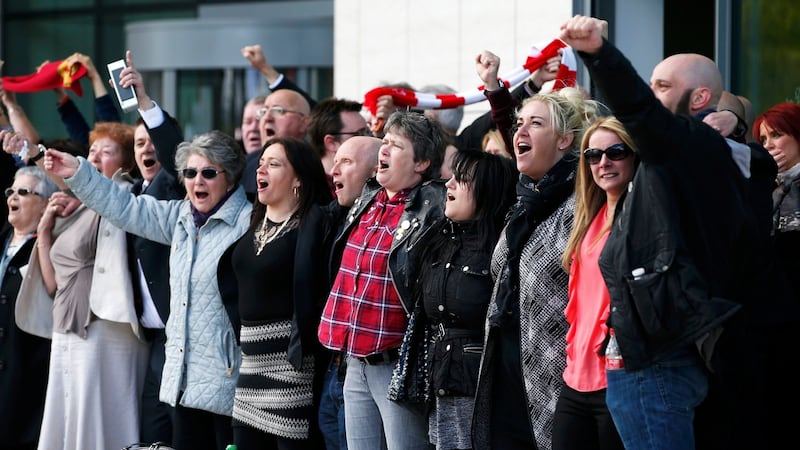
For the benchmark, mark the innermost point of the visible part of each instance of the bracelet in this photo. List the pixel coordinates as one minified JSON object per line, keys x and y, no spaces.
{"x":39,"y":155}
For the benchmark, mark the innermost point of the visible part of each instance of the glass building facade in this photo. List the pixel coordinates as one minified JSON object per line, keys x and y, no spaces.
{"x":761,"y":58}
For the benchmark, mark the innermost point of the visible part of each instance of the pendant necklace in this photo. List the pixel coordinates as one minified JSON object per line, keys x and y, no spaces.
{"x":261,"y":235}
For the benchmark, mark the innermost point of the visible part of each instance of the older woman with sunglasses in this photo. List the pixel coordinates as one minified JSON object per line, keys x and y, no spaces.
{"x":607,"y":164}
{"x":202,"y":350}
{"x":25,"y":356}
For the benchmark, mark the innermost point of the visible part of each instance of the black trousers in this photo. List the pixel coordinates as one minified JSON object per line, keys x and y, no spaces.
{"x":156,"y":416}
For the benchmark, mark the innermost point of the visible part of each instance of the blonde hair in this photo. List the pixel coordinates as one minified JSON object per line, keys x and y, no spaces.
{"x":570,"y":112}
{"x":495,"y":135}
{"x":589,"y":197}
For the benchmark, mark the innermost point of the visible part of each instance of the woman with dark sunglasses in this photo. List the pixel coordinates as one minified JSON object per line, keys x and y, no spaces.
{"x":202,"y":351}
{"x":607,"y":164}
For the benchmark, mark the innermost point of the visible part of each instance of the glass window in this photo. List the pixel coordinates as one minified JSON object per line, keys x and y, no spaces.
{"x":768,"y":59}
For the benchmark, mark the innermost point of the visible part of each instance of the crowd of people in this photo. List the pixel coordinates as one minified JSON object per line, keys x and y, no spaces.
{"x":342,"y":279}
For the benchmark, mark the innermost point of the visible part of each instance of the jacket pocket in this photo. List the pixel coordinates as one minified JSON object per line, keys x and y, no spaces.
{"x":672,"y":301}
{"x":454,"y":370}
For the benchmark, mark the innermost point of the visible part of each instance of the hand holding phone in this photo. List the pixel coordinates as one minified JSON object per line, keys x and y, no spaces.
{"x":126,"y":96}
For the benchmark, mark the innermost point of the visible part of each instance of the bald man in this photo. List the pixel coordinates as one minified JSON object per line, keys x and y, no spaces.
{"x":284,"y":114}
{"x":355,"y":161}
{"x":686,"y":223}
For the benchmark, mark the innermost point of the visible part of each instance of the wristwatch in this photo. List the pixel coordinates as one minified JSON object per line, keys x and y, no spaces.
{"x":39,"y":155}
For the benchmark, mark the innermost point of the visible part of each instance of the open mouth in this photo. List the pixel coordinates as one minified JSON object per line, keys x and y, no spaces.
{"x":523,"y":148}
{"x":13,"y":208}
{"x":270,"y":132}
{"x":149,"y":162}
{"x":201,"y":195}
{"x":338,"y":186}
{"x":262,"y":184}
{"x":450,"y":197}
{"x":383,"y":165}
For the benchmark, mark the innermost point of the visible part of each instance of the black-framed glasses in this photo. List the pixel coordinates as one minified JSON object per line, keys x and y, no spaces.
{"x":22,"y":192}
{"x":362,"y":132}
{"x":616,"y":152}
{"x":277,"y":111}
{"x":208,"y":173}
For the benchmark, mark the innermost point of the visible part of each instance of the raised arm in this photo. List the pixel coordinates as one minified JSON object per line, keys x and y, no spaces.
{"x":255,"y":55}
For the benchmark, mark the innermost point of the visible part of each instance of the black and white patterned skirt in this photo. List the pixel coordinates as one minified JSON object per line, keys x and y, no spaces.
{"x":271,"y":395}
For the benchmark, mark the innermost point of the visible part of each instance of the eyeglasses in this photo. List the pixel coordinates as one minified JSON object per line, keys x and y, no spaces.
{"x":362,"y":132}
{"x":616,"y":152}
{"x":208,"y":173}
{"x":278,"y":111}
{"x":22,"y":192}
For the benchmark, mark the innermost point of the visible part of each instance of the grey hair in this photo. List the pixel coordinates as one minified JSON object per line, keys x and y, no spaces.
{"x":450,"y":118}
{"x":425,"y":134}
{"x":45,"y":187}
{"x":218,"y":148}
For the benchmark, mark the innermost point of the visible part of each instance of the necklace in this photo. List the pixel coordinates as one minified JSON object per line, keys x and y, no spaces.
{"x":263,"y":236}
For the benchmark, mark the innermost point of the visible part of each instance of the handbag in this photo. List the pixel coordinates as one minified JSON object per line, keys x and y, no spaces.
{"x":410,"y":379}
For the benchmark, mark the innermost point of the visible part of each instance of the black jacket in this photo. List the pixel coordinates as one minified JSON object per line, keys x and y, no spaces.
{"x":24,"y":360}
{"x":685,"y":220}
{"x":424,"y":206}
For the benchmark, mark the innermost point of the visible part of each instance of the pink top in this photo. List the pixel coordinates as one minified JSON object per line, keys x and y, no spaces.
{"x":587,"y":311}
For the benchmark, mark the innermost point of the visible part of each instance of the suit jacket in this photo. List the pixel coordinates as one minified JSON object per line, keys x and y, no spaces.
{"x":153,"y":256}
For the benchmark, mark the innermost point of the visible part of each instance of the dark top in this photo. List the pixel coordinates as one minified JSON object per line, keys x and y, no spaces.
{"x":265,"y":280}
{"x":686,"y":220}
{"x":76,"y":125}
{"x":24,"y":359}
{"x":456,"y":287}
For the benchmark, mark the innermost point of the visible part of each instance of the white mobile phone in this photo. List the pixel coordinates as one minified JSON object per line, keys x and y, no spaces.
{"x":126,"y":96}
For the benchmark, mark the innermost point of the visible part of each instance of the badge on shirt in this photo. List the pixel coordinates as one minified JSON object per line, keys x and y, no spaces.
{"x":402,"y":229}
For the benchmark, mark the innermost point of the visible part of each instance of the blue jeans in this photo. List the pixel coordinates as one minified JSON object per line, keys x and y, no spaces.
{"x":331,"y":409}
{"x":653,"y":408}
{"x":374,"y":422}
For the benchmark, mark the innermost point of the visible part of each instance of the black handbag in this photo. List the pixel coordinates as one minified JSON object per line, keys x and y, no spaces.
{"x":410,"y":379}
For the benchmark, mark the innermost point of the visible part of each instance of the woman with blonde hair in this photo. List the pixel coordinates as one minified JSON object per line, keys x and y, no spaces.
{"x":524,"y":356}
{"x":493,"y":143}
{"x":606,"y":166}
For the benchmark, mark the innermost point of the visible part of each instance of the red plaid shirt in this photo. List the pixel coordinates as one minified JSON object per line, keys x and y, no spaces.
{"x":364,"y":314}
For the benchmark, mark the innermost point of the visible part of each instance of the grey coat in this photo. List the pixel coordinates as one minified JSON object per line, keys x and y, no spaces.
{"x":202,"y":353}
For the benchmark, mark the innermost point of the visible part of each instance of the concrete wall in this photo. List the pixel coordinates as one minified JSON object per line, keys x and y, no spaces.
{"x":435,"y":41}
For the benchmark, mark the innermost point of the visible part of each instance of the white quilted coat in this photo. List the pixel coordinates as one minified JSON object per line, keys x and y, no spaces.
{"x":202,"y":357}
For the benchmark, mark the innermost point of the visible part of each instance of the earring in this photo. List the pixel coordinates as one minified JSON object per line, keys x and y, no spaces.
{"x":296,"y":191}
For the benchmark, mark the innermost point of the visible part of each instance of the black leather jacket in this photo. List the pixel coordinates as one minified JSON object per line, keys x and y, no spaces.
{"x":685,"y":220}
{"x":424,"y":206}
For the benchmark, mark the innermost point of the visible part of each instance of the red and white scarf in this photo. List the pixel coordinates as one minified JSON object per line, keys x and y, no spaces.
{"x":566,"y":76}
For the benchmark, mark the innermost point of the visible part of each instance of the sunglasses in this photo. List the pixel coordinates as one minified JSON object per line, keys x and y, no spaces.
{"x":207,"y":173}
{"x":616,"y":152}
{"x":21,"y":191}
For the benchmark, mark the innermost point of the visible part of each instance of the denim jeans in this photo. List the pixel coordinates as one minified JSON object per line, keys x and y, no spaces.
{"x":653,"y":408}
{"x":331,"y":409}
{"x":374,"y":422}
